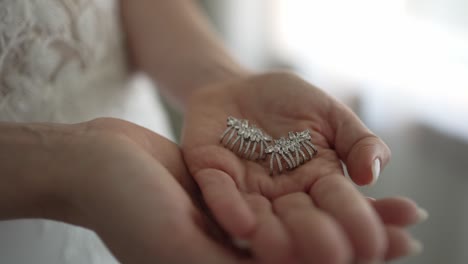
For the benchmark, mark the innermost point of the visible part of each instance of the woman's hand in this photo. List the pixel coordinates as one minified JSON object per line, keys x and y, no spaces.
{"x":124,"y":182}
{"x":136,"y":194}
{"x":312,"y":211}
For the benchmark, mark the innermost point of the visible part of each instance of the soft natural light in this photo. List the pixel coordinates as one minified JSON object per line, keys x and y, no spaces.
{"x":423,"y":66}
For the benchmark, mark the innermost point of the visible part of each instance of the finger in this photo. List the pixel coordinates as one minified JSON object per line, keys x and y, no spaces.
{"x":338,"y":197}
{"x":399,"y":211}
{"x":400,"y":243}
{"x":364,"y":153}
{"x":225,"y":201}
{"x":270,"y":241}
{"x":318,"y":238}
{"x":200,"y":249}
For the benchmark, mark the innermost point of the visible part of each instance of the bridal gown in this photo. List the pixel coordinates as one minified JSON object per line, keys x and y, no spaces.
{"x":64,"y":61}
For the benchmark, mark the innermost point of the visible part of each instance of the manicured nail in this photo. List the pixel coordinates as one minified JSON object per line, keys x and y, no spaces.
{"x":375,"y":171}
{"x":422,"y":215}
{"x":369,"y":262}
{"x":416,"y":247}
{"x":241,"y":243}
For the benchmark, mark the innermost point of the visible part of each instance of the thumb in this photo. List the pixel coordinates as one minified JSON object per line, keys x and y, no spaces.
{"x":364,"y":154}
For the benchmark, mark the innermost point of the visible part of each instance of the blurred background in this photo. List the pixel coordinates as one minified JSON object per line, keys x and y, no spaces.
{"x":402,"y":65}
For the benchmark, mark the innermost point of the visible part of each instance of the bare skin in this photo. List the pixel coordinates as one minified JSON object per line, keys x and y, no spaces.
{"x":313,"y":209}
{"x":130,"y":186}
{"x":124,"y":182}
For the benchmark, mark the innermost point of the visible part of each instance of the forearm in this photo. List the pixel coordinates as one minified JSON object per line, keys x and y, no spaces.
{"x":28,"y":169}
{"x":174,"y":44}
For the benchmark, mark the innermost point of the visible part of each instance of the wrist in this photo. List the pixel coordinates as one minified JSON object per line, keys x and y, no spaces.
{"x":31,"y":159}
{"x":207,"y":75}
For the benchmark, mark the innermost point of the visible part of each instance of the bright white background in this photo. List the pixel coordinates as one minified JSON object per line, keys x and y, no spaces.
{"x":399,"y":53}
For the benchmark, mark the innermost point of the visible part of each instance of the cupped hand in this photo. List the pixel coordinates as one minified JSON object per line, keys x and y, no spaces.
{"x":131,"y":187}
{"x":311,"y":214}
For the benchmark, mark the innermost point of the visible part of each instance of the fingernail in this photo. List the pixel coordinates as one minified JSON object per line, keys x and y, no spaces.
{"x":422,"y":215}
{"x":375,"y":171}
{"x":369,"y":262}
{"x":241,"y":243}
{"x":416,"y":247}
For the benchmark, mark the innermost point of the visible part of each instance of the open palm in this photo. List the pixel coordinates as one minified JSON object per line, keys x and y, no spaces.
{"x":314,"y":210}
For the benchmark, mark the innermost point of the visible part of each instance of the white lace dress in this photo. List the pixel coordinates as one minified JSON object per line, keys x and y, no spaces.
{"x":64,"y":61}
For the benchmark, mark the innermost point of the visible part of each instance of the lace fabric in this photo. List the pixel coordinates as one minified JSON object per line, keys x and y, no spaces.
{"x":57,"y":57}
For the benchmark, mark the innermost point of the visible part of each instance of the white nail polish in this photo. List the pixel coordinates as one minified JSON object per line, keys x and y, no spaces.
{"x":241,"y":243}
{"x":416,"y":248}
{"x":422,"y":214}
{"x":375,"y":171}
{"x":370,"y":262}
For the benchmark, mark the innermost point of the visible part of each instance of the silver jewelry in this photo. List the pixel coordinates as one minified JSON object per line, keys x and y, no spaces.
{"x":291,"y":151}
{"x":245,"y":134}
{"x":280,"y":151}
{"x":302,"y":139}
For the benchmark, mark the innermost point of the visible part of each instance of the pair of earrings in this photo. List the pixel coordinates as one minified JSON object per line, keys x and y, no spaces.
{"x":290,"y":150}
